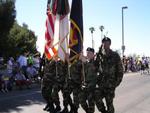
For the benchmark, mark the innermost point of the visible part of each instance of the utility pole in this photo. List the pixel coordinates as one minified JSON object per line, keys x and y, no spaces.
{"x":123,"y":45}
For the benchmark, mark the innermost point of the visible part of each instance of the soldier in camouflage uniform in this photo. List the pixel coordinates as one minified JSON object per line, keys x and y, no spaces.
{"x":58,"y":86}
{"x":47,"y":84}
{"x":74,"y":84}
{"x":65,"y":86}
{"x":111,"y":77}
{"x":88,"y":90}
{"x":61,"y":74}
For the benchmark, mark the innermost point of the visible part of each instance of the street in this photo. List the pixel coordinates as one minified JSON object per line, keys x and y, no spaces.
{"x":132,"y":96}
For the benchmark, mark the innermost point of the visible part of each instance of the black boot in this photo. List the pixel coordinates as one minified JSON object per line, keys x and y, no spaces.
{"x":75,"y":110}
{"x":65,"y":110}
{"x":58,"y":108}
{"x":46,"y":107}
{"x":51,"y":108}
{"x":72,"y":108}
{"x":104,"y":111}
{"x":71,"y":111}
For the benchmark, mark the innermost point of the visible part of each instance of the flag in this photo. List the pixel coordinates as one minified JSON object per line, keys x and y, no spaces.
{"x":61,"y":10}
{"x":50,"y":49}
{"x":63,"y":37}
{"x":76,"y":30}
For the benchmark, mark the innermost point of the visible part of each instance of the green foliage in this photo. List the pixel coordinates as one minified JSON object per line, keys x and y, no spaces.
{"x":7,"y":17}
{"x":20,"y":40}
{"x":14,"y":39}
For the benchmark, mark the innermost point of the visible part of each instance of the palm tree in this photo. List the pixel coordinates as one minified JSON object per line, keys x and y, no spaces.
{"x":101,"y":29}
{"x":92,"y":29}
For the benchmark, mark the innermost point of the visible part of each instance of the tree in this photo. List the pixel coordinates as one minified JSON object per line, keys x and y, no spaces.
{"x":92,"y":29}
{"x":101,"y":29}
{"x":20,"y":39}
{"x":7,"y":18}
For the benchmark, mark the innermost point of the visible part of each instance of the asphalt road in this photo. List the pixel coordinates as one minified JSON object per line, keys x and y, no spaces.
{"x":132,"y":96}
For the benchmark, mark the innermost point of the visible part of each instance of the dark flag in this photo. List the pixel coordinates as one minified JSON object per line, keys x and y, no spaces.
{"x":76,"y":30}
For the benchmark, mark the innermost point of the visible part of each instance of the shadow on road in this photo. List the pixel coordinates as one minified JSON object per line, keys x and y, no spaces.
{"x":16,"y":100}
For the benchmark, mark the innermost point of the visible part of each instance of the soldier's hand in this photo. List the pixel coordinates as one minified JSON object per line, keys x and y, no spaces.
{"x":83,"y":58}
{"x":84,"y":86}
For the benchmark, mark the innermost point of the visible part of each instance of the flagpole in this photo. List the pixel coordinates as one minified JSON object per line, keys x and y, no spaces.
{"x":67,"y":56}
{"x":56,"y":67}
{"x":83,"y":71}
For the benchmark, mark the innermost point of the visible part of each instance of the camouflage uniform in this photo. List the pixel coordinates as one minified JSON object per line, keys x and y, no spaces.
{"x":61,"y":73}
{"x":74,"y":84}
{"x":48,"y":82}
{"x":59,"y":78}
{"x":112,"y":74}
{"x":64,"y":85}
{"x":87,"y":94}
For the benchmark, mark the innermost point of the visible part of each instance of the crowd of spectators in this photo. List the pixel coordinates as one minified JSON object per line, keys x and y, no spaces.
{"x":19,"y":73}
{"x":135,"y":64}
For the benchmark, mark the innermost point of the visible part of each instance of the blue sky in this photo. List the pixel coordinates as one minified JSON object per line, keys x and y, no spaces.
{"x":96,"y":13}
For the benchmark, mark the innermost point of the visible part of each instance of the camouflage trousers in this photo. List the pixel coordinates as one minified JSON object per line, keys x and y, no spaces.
{"x":108,"y":95}
{"x":46,"y":93}
{"x":65,"y":93}
{"x":75,"y":90}
{"x":55,"y":94}
{"x":87,"y":100}
{"x":67,"y":100}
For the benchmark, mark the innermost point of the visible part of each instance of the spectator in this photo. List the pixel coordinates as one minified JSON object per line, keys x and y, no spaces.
{"x":10,"y":64}
{"x":36,"y":60}
{"x":4,"y":79}
{"x":21,"y":80}
{"x":31,"y":72}
{"x":22,"y":60}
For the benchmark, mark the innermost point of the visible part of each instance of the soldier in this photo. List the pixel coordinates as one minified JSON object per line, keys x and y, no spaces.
{"x":58,"y":85}
{"x":47,"y":84}
{"x":42,"y":64}
{"x":75,"y":83}
{"x":88,"y":89}
{"x":65,"y":87}
{"x":61,"y":72}
{"x":112,"y":74}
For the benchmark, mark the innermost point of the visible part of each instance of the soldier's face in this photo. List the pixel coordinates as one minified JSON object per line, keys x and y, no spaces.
{"x":90,"y":55}
{"x":106,"y":45}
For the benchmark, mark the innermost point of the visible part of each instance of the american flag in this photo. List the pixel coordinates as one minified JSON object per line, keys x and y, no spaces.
{"x":50,"y":49}
{"x":57,"y":29}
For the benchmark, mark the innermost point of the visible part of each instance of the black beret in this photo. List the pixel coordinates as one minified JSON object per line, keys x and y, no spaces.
{"x":90,"y":49}
{"x":106,"y":39}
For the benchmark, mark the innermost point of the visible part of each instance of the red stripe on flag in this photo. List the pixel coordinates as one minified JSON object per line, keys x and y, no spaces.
{"x":54,"y":50}
{"x":50,"y":50}
{"x":51,"y":21}
{"x":47,"y":54}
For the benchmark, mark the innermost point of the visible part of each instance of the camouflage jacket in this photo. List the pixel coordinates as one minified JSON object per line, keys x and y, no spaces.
{"x":49,"y":72}
{"x":62,"y":71}
{"x":76,"y":72}
{"x":112,"y":70}
{"x":90,"y":74}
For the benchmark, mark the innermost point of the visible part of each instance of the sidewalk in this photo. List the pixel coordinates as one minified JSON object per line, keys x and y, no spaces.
{"x":131,"y":73}
{"x":15,"y":88}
